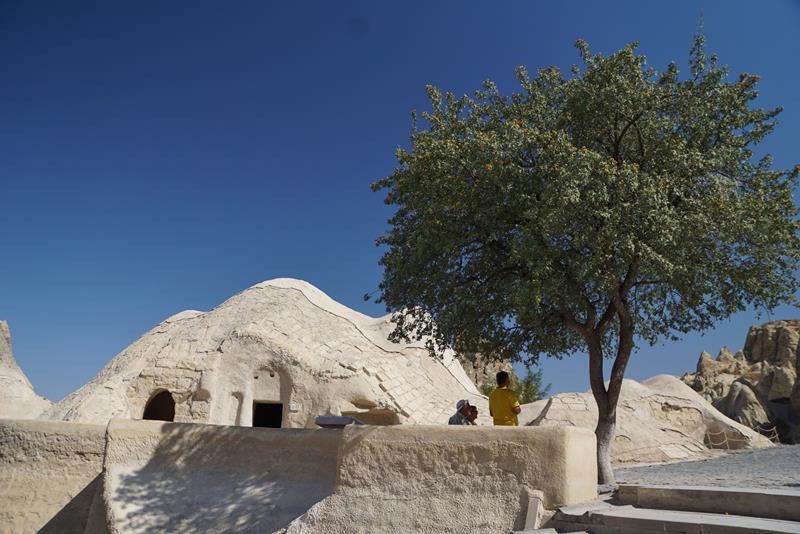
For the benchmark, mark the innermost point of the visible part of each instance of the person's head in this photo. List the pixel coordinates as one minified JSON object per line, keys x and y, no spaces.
{"x":473,"y":414}
{"x":463,"y":406}
{"x":502,"y":379}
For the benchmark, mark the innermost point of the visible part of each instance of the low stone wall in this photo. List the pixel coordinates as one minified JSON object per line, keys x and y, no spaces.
{"x":49,"y":475}
{"x":452,"y":479}
{"x":177,"y":477}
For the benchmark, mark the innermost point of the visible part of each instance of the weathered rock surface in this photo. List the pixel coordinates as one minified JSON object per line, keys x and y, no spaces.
{"x":282,"y":343}
{"x":757,"y":386}
{"x":658,"y":420}
{"x":18,"y":400}
{"x":49,"y":475}
{"x":482,"y":371}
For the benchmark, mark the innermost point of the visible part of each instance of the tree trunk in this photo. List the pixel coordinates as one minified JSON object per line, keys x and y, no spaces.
{"x":607,"y":398}
{"x":604,"y":432}
{"x":606,"y":413}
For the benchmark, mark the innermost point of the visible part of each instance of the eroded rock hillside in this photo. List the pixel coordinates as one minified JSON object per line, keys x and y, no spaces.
{"x":18,"y":400}
{"x":758,"y":385}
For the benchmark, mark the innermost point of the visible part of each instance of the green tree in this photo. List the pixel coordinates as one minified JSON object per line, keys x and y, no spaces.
{"x":587,"y":212}
{"x":531,"y":388}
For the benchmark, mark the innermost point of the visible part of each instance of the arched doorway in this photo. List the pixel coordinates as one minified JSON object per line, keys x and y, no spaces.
{"x":161,"y":407}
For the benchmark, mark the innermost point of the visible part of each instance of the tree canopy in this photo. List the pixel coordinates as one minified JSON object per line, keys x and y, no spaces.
{"x":516,"y":215}
{"x":587,"y":209}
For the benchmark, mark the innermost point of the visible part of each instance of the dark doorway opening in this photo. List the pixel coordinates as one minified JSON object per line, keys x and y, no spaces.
{"x":267,"y":414}
{"x":160,"y":408}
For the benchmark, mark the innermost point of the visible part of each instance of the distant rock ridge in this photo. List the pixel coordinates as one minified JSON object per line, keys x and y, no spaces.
{"x":18,"y":400}
{"x":483,"y":371}
{"x":758,"y":385}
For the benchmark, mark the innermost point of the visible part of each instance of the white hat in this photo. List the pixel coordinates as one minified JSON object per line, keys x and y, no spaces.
{"x":460,"y":404}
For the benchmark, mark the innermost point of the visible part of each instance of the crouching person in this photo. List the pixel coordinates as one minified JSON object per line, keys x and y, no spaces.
{"x":461,"y":417}
{"x":473,"y":415}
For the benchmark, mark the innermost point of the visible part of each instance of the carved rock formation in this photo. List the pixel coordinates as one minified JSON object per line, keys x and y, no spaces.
{"x":658,"y":420}
{"x":277,"y":354}
{"x":757,"y":386}
{"x":481,"y":370}
{"x":18,"y":400}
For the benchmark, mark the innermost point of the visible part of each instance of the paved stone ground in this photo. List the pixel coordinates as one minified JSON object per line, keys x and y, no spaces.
{"x":777,"y":467}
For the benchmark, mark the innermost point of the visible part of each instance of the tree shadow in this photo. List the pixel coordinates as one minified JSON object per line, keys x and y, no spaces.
{"x":205,"y":478}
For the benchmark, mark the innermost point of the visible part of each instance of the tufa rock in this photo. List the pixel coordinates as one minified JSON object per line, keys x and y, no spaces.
{"x":481,"y":370}
{"x":758,"y":386}
{"x":18,"y":400}
{"x":658,"y":420}
{"x":280,"y":353}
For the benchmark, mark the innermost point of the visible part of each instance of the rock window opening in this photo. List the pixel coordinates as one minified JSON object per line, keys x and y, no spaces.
{"x":160,"y":408}
{"x":267,"y":414}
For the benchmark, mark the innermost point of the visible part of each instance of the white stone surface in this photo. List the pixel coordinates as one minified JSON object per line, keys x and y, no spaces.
{"x":279,"y":341}
{"x":18,"y":400}
{"x":658,"y":420}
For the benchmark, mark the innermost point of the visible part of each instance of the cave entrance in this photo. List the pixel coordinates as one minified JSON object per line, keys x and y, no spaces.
{"x":267,"y":414}
{"x":160,"y":408}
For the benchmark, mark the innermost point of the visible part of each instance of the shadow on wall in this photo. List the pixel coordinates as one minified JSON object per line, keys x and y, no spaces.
{"x":74,"y":516}
{"x":220,"y":479}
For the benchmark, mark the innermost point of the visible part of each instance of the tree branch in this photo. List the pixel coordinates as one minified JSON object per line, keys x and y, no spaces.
{"x":618,"y":138}
{"x":624,"y":348}
{"x":570,"y":322}
{"x":627,"y":283}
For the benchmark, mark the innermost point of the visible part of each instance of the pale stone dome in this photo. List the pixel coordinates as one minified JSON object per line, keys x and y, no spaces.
{"x":277,"y":354}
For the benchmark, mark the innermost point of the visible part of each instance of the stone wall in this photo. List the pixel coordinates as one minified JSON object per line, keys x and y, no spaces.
{"x":452,"y":479}
{"x":49,"y":475}
{"x":173,"y":477}
{"x":177,"y":477}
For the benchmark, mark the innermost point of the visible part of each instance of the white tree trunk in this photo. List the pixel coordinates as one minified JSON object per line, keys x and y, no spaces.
{"x":606,"y":428}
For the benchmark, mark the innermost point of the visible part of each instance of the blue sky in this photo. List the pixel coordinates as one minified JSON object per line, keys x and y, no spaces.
{"x":161,"y":156}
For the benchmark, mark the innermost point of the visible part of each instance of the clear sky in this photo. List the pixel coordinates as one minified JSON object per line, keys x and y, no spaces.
{"x":162,"y":156}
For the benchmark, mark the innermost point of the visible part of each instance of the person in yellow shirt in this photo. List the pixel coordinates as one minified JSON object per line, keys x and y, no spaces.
{"x":503,"y":403}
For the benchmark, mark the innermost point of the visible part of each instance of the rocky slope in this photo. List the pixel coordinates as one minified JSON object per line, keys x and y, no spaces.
{"x":18,"y":400}
{"x":758,"y":385}
{"x":658,"y":420}
{"x":481,"y":370}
